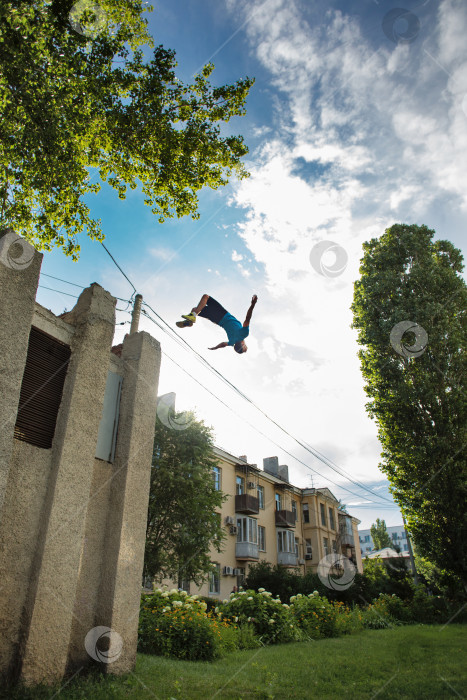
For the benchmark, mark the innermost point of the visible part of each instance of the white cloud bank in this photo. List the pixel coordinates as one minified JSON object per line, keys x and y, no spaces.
{"x":370,"y":134}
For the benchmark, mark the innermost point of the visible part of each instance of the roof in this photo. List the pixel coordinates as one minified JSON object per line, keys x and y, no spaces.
{"x":387,"y":553}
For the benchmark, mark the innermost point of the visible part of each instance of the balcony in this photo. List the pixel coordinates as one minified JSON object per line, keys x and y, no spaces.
{"x":245,"y":503}
{"x":346,"y":539}
{"x":246,"y":550}
{"x":285,"y":518}
{"x":287,"y":558}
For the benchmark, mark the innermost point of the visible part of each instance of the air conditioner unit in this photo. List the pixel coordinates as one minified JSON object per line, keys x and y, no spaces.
{"x":308,"y":556}
{"x":233,"y":529}
{"x":237,"y":572}
{"x":229,"y":520}
{"x":301,"y":561}
{"x":251,"y":484}
{"x":227,"y":571}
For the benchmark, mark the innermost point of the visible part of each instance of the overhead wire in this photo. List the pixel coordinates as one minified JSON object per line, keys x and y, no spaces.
{"x":357,"y":495}
{"x":309,"y":449}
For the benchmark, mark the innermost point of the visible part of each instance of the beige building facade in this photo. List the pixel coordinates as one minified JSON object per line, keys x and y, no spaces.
{"x":266,"y":518}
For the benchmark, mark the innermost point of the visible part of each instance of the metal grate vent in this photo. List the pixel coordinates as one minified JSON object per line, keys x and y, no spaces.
{"x":41,"y":390}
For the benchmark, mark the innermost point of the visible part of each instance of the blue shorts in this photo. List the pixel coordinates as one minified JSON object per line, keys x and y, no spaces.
{"x":213,"y":311}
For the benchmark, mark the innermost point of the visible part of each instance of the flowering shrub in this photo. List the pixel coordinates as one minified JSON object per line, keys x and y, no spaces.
{"x":315,"y":615}
{"x":271,"y":619}
{"x":172,"y":623}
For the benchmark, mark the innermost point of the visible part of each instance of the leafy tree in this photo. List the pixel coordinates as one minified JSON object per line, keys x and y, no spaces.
{"x":414,"y":382}
{"x":380,"y":535}
{"x":182,"y":519}
{"x":79,"y":102}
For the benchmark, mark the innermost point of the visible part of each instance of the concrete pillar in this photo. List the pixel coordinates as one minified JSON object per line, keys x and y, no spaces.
{"x":122,"y":570}
{"x":20,"y":266}
{"x":49,"y":611}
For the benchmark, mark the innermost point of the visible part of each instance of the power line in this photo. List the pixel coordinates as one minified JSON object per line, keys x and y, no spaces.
{"x":81,"y":286}
{"x":116,"y":263}
{"x":309,"y":449}
{"x":59,"y":291}
{"x":358,"y":495}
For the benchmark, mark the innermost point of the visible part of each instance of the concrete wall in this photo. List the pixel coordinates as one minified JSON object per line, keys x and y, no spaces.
{"x":72,"y":527}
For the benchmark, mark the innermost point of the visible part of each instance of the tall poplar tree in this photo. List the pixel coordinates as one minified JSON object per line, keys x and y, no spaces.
{"x":83,"y":101}
{"x":410,"y":308}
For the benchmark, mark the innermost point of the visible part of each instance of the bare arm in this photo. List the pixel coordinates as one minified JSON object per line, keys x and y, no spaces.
{"x":247,"y":320}
{"x":221,"y":345}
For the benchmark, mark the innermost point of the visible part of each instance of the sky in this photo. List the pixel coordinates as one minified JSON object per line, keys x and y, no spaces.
{"x":357,"y":120}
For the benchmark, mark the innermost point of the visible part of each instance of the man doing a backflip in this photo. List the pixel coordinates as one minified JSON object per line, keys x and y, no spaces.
{"x":211,"y":309}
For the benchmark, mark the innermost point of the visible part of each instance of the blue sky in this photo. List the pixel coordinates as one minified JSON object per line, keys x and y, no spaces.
{"x":350,"y":130}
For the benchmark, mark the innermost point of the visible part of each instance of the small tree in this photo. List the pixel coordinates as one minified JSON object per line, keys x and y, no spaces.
{"x":182,"y":520}
{"x":380,"y":535}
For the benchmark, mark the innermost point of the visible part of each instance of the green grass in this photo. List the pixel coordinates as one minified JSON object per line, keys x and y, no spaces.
{"x":417,"y":661}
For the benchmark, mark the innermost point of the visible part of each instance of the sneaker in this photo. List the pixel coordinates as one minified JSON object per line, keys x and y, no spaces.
{"x":184,"y":324}
{"x":190,"y":317}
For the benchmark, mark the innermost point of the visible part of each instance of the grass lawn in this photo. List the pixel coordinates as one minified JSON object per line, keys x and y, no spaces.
{"x":416,"y":661}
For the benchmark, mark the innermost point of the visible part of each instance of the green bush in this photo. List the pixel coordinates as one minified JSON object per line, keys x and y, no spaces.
{"x":315,"y":615}
{"x":172,"y":623}
{"x":271,"y":619}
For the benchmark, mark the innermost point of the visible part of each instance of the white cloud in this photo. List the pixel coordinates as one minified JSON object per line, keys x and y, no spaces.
{"x":369,"y":136}
{"x":161,"y":253}
{"x":236,"y":257}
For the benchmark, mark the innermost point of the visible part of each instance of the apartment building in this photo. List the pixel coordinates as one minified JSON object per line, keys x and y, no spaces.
{"x":397,"y":533}
{"x":266,"y":518}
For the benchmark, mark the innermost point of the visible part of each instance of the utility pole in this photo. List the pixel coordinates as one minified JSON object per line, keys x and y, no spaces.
{"x":136,"y":314}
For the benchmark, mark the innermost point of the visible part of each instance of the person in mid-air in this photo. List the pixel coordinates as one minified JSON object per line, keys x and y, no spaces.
{"x":211,"y":309}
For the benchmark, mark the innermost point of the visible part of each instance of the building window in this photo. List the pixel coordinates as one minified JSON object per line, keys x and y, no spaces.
{"x":308,"y":547}
{"x":367,"y":538}
{"x":247,"y":530}
{"x":406,"y":547}
{"x":262,"y":538}
{"x":294,"y":510}
{"x":395,"y":536}
{"x":216,"y":475}
{"x":404,"y":535}
{"x":296,"y":546}
{"x":306,"y":513}
{"x":334,"y":546}
{"x":241,"y":576}
{"x":331,"y":519}
{"x":215,"y":579}
{"x":326,"y":546}
{"x":278,"y":501}
{"x":285,"y":541}
{"x":261,"y":497}
{"x":41,"y":390}
{"x":239,"y":485}
{"x":323,"y":514}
